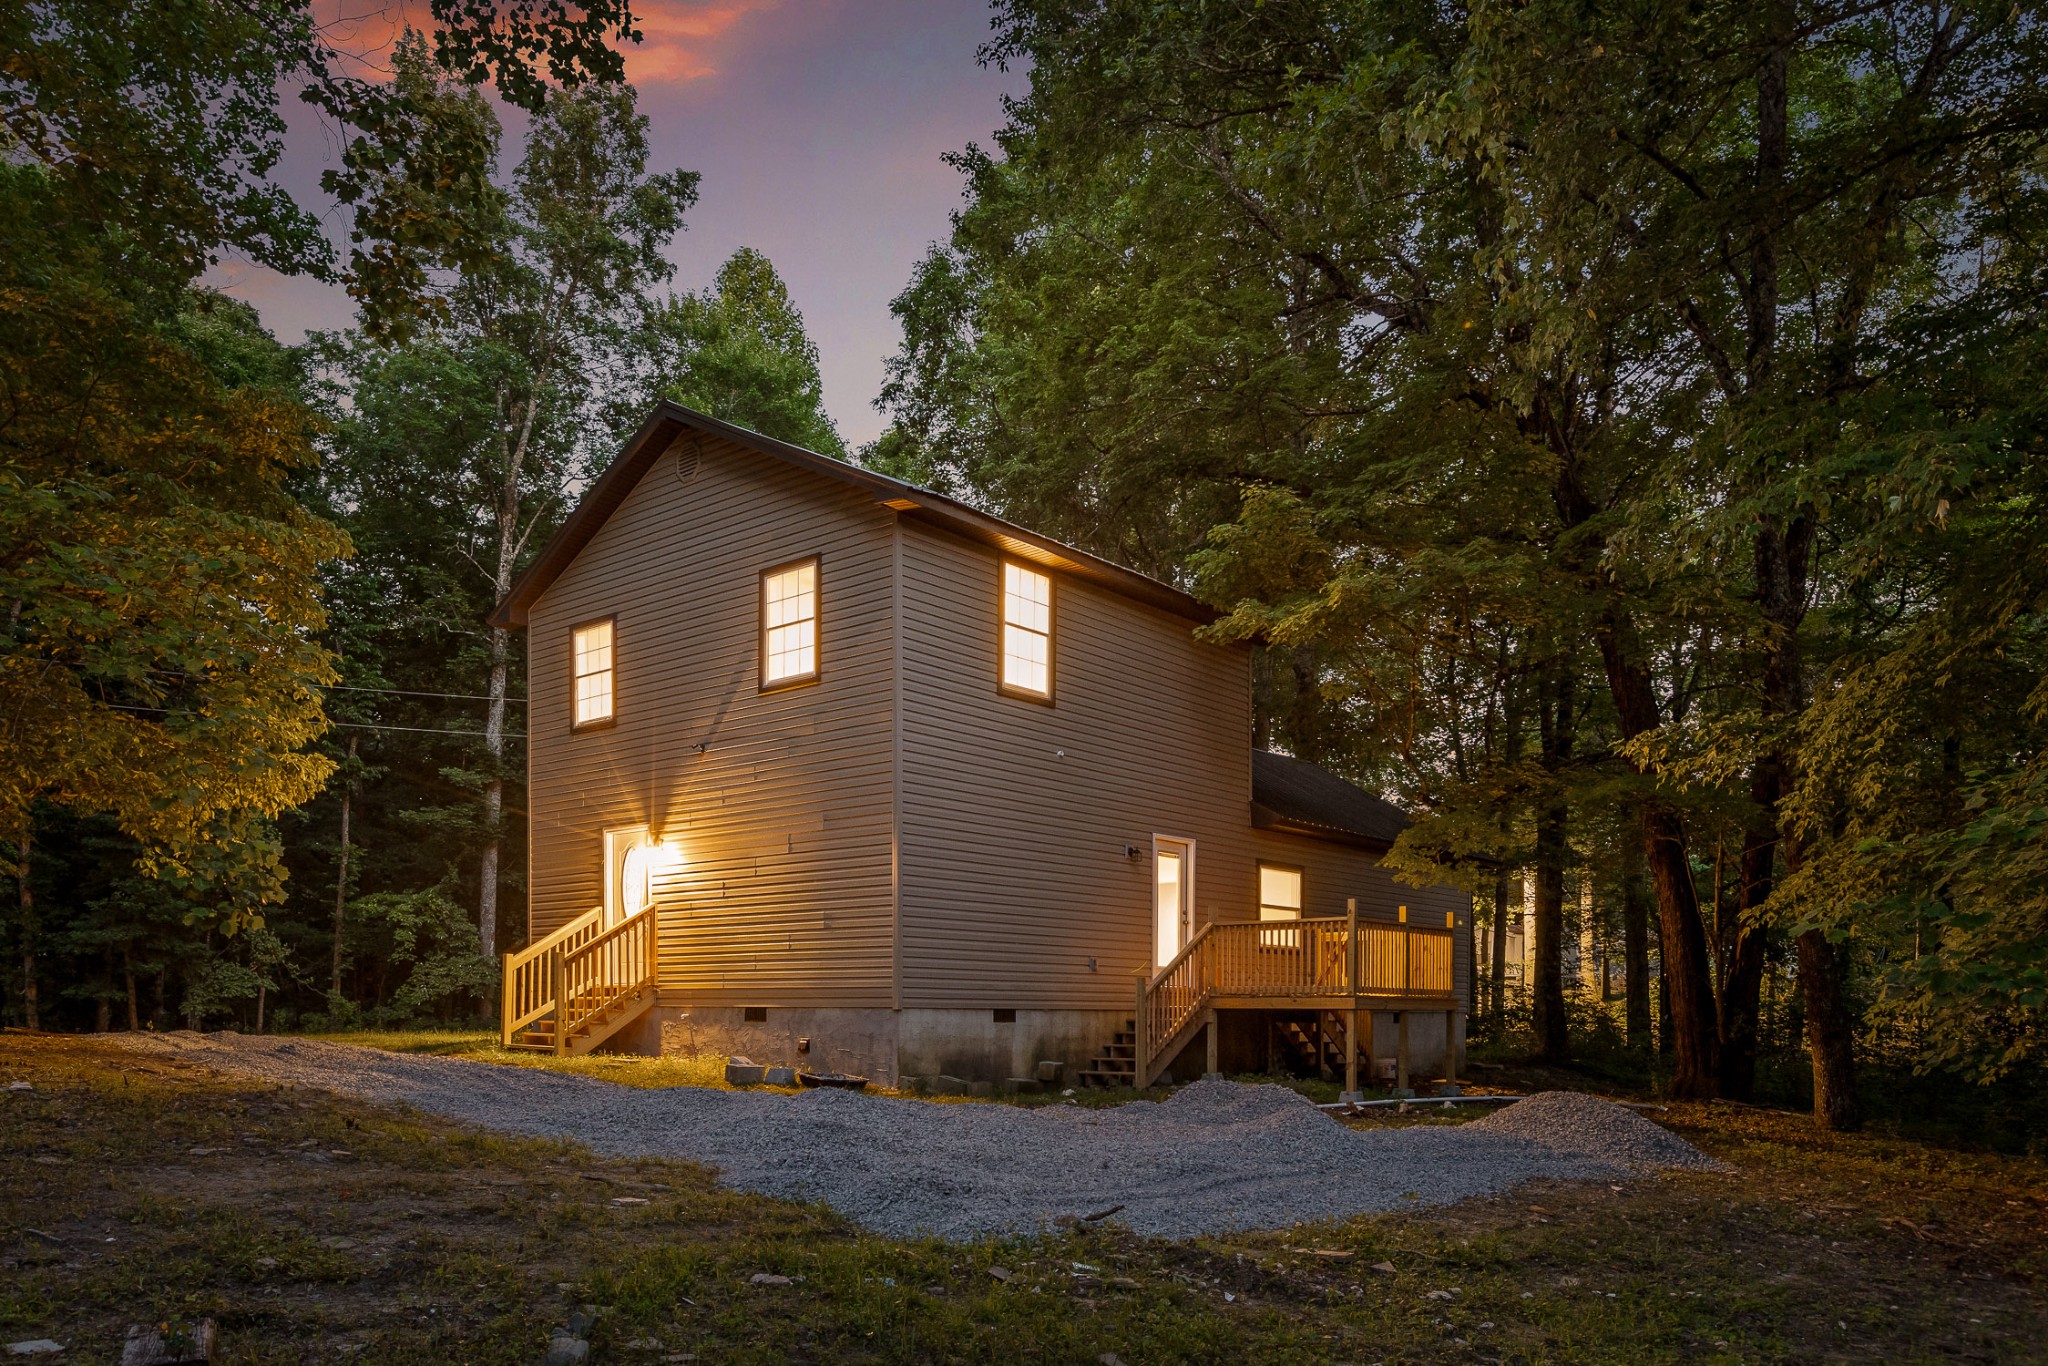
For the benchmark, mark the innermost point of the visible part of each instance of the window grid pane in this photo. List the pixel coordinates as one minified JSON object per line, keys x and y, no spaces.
{"x":593,"y":666}
{"x":1027,"y":630}
{"x":789,"y":612}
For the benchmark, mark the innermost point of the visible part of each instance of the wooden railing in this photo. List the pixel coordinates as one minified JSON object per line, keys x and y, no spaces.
{"x":1300,"y":959}
{"x":528,"y":985}
{"x":614,"y":964}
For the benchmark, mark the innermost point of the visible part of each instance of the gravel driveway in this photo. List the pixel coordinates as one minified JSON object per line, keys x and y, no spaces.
{"x":1212,"y":1157}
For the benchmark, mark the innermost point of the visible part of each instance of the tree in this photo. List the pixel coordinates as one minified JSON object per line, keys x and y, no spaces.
{"x":508,"y":377}
{"x":739,"y":352}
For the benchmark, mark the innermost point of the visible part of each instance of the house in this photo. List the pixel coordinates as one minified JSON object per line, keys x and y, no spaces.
{"x":832,"y":771}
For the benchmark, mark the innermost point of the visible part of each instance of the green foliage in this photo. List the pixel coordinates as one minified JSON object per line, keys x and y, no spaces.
{"x":1580,"y":409}
{"x":429,"y":933}
{"x":738,"y":351}
{"x":160,"y":576}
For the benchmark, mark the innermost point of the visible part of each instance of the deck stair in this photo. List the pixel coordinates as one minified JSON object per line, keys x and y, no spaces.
{"x":1313,"y":1047}
{"x":1117,"y":1063}
{"x":1327,"y":971}
{"x":571,"y":990}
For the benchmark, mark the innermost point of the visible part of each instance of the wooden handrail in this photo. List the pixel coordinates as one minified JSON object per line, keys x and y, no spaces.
{"x":1285,"y":958}
{"x":591,"y":978}
{"x":527,"y":986}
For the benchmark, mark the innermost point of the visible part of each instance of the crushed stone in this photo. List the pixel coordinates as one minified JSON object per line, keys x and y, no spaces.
{"x":1590,"y":1127}
{"x":1214,"y":1156}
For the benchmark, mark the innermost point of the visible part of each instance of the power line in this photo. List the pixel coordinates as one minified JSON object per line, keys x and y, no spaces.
{"x":392,"y":692}
{"x":350,"y":725}
{"x":409,"y":692}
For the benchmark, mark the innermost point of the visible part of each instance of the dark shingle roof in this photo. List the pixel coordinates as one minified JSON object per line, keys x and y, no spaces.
{"x":1288,"y":794}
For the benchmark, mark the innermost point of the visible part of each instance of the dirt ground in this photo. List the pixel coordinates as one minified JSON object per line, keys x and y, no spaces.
{"x":137,"y":1190}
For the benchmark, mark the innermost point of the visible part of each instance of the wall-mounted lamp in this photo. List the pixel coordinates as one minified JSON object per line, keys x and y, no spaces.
{"x":1132,"y":851}
{"x":1091,"y":965}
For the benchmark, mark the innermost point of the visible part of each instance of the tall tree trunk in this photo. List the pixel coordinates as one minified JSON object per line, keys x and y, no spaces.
{"x":1743,"y":983}
{"x":1547,"y":994}
{"x":1558,"y":726}
{"x":1635,"y":941}
{"x":1823,"y":972}
{"x":128,"y":976}
{"x":514,"y":458}
{"x":1498,"y":969}
{"x":103,"y":1013}
{"x":31,"y":1010}
{"x":1694,"y":1032}
{"x":348,"y":787}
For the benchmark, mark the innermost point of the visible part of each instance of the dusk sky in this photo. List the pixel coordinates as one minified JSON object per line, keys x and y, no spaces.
{"x":817,"y":126}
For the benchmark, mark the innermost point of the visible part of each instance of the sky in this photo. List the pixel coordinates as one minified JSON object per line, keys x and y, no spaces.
{"x":818,"y":127}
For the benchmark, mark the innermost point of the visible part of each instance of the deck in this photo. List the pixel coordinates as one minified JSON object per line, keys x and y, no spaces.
{"x":1345,"y":967}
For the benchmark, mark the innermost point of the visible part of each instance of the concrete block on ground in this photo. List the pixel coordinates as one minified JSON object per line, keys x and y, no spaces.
{"x":1052,"y":1071}
{"x":944,"y":1085}
{"x":780,"y":1076}
{"x":982,"y":1088}
{"x":1022,"y":1086}
{"x":744,"y":1072}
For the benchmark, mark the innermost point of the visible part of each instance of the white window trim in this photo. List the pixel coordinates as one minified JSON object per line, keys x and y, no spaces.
{"x":1004,"y":626}
{"x":817,"y":620}
{"x":611,"y":715}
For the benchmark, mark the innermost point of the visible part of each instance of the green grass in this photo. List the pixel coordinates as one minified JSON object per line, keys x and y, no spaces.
{"x":414,"y":1241}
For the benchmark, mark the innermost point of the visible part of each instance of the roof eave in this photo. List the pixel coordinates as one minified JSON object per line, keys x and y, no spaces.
{"x":670,"y":419}
{"x":1266,"y":818}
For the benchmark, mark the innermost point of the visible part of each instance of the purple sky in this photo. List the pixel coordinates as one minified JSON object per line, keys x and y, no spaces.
{"x":817,"y":126}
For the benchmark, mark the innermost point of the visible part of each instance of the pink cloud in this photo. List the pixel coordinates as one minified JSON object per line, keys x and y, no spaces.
{"x":680,"y":38}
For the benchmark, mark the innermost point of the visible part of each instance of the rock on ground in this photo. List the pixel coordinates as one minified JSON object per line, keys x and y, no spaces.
{"x":1212,"y":1157}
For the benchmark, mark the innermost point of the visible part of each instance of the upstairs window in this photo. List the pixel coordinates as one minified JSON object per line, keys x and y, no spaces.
{"x":1279,"y":892}
{"x":1027,"y":632}
{"x":789,"y":624}
{"x":593,"y":671}
{"x":1279,"y":899}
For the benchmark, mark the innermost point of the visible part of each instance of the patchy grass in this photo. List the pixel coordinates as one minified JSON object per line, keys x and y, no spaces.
{"x":136,"y":1189}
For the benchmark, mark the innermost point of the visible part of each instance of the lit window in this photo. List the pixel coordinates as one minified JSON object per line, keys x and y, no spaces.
{"x":1279,"y":892}
{"x":1027,"y":630}
{"x":789,"y":624}
{"x":593,"y":648}
{"x":1279,"y":899}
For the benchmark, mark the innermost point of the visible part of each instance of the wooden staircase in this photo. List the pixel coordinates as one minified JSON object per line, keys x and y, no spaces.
{"x":1117,"y":1063}
{"x":570,"y":991}
{"x":1313,"y":1047}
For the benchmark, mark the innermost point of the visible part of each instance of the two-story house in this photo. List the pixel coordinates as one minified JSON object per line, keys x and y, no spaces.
{"x":831,"y":770}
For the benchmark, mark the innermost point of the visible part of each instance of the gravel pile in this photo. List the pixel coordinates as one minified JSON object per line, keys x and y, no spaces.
{"x":1214,"y":1156}
{"x":1599,"y":1130}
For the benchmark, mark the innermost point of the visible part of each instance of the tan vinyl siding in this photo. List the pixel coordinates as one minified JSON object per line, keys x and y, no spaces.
{"x":1016,"y":813}
{"x":1332,"y":872}
{"x":784,"y":817}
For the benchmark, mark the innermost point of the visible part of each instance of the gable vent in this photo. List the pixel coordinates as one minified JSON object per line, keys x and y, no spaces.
{"x":689,"y":462}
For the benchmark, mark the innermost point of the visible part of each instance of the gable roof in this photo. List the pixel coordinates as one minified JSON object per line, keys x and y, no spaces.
{"x":1292,"y":795}
{"x":671,"y":420}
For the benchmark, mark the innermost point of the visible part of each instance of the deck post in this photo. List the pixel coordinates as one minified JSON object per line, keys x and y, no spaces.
{"x":1210,"y":1029}
{"x":505,"y":1000}
{"x":1139,"y":1051}
{"x":561,"y":990}
{"x":1351,"y":1091}
{"x":1401,"y":1050}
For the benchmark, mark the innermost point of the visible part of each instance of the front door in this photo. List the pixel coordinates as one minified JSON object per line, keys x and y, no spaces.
{"x":1173,"y":896}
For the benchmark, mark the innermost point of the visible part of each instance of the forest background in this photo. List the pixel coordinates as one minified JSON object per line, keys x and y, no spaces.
{"x":1619,"y":432}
